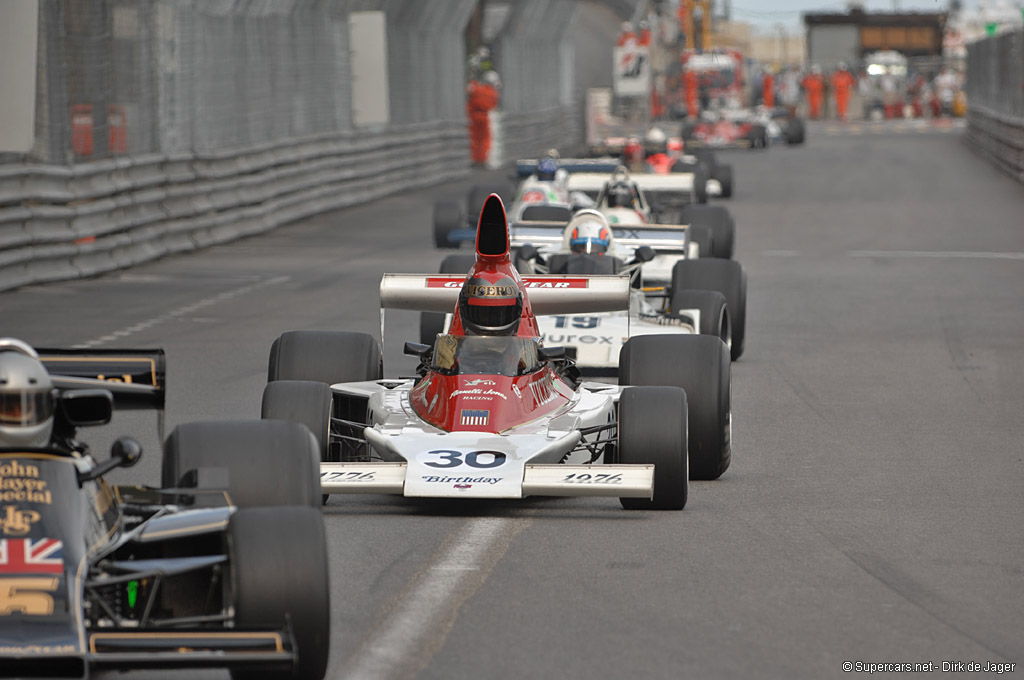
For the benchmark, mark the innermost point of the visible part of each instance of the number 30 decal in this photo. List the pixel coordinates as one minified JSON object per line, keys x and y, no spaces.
{"x":475,"y":459}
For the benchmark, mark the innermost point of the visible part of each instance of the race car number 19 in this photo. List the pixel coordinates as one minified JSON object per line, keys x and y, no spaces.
{"x":474,"y":459}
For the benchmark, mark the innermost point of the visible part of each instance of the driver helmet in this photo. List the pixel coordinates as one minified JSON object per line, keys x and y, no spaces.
{"x":27,"y":397}
{"x":588,"y":232}
{"x":674,"y":146}
{"x":620,"y":195}
{"x":490,"y":308}
{"x":655,"y":139}
{"x":546,"y":169}
{"x":492,"y":78}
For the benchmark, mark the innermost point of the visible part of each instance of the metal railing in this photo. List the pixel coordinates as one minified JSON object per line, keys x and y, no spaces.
{"x":995,"y":95}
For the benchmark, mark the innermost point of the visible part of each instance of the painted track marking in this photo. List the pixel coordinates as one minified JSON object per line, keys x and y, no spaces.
{"x":404,"y":641}
{"x":180,"y":311}
{"x":938,"y":254}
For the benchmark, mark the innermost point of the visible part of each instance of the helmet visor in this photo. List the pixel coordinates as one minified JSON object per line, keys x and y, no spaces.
{"x":25,"y":409}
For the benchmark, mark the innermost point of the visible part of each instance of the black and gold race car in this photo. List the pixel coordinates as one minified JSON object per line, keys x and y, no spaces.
{"x":225,"y":565}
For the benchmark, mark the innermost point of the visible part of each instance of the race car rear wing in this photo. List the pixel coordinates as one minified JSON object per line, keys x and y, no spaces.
{"x":662,"y":238}
{"x":548,"y":294}
{"x":135,"y":377}
{"x":591,"y":183}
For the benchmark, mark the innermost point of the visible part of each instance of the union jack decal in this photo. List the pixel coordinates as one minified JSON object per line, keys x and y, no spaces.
{"x":31,"y":556}
{"x":475,"y":417}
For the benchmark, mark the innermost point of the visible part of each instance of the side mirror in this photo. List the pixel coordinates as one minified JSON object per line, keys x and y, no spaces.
{"x":528,"y":252}
{"x":551,"y":353}
{"x":644,"y":254}
{"x":85,"y":408}
{"x":416,"y":349}
{"x":126,"y":451}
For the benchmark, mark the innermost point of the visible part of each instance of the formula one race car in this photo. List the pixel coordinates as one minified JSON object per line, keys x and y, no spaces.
{"x":725,"y":130}
{"x":494,"y":413}
{"x":671,"y":292}
{"x":203,"y":572}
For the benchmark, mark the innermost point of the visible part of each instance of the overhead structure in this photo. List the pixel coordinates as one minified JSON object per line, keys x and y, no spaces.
{"x":697,"y":36}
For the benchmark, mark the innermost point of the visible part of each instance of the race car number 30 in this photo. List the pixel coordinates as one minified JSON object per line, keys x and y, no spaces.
{"x":445,"y":459}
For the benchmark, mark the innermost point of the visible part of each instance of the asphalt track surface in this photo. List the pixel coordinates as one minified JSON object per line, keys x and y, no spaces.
{"x":873,"y":511}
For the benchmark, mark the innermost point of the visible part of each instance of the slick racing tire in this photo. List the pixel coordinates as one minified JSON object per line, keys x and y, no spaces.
{"x":708,"y":158}
{"x":725,"y":179}
{"x":325,"y":356}
{"x":301,"y":401}
{"x":795,"y":131}
{"x":448,"y":217}
{"x":280,"y":580}
{"x":477,"y":196}
{"x":714,"y":312}
{"x":758,"y":137}
{"x":719,"y":221}
{"x":268,"y":462}
{"x":652,"y":430}
{"x":700,"y":365}
{"x":701,"y":235}
{"x":432,"y":323}
{"x":700,"y":178}
{"x":729,"y":279}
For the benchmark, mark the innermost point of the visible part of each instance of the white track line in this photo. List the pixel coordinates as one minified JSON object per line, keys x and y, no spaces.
{"x":416,"y":626}
{"x":180,"y":311}
{"x":950,"y":254}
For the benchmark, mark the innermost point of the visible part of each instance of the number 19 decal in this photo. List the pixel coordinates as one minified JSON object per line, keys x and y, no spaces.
{"x":476,"y":459}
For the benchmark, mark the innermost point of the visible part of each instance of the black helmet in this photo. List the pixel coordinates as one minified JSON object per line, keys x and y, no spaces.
{"x":490,"y":308}
{"x":620,"y":195}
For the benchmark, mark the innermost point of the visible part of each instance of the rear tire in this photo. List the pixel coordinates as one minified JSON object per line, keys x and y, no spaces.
{"x":720,"y":222}
{"x":432,"y":323}
{"x":701,"y":235}
{"x":652,"y":430}
{"x":268,"y":462}
{"x":729,"y":279}
{"x":325,"y":356}
{"x":700,"y":365}
{"x":795,"y":131}
{"x":280,"y":577}
{"x":725,"y":179}
{"x":448,"y":217}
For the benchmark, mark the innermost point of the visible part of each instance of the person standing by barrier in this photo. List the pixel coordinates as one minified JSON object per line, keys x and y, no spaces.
{"x":768,"y":89}
{"x":690,"y":85}
{"x":814,"y":86}
{"x":482,"y":98}
{"x":842,"y":83}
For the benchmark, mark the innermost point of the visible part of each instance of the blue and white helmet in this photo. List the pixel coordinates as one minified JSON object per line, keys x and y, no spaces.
{"x":588,"y":232}
{"x":546,"y":169}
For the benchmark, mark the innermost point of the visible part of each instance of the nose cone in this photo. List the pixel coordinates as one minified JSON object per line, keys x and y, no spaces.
{"x":492,"y":242}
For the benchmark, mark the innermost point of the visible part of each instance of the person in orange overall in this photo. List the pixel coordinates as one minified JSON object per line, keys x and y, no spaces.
{"x":814,"y":86}
{"x":768,"y":89}
{"x":482,"y":97}
{"x":842,"y":82}
{"x":690,"y":89}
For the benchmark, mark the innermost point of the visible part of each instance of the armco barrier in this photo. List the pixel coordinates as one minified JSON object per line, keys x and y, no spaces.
{"x":999,"y":138}
{"x":64,"y":222}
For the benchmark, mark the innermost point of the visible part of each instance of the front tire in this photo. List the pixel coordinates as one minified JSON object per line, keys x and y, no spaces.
{"x":714,"y":312}
{"x":325,"y":356}
{"x":729,"y":279}
{"x":448,"y":217}
{"x":280,"y":578}
{"x":721,"y":224}
{"x":652,"y":430}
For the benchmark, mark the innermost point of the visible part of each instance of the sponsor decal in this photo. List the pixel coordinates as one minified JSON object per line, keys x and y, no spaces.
{"x":515,"y":388}
{"x":543,"y":390}
{"x":27,"y":596}
{"x":21,"y":484}
{"x":38,"y":649}
{"x":477,"y":290}
{"x":562,"y":339}
{"x":466,"y":482}
{"x":349,"y":476}
{"x":456,"y":282}
{"x":480,"y":381}
{"x":446,"y":458}
{"x":475,"y":417}
{"x":533,"y":196}
{"x":16,"y":522}
{"x":31,"y":556}
{"x":476,"y":393}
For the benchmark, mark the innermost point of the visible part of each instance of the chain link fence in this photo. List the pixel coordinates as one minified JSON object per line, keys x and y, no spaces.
{"x":995,"y":95}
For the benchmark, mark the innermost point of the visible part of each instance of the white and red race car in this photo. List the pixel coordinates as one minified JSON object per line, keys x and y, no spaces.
{"x":495,"y":413}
